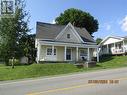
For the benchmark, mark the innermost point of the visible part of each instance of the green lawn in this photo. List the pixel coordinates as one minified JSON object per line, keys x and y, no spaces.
{"x":113,"y":62}
{"x":37,"y":70}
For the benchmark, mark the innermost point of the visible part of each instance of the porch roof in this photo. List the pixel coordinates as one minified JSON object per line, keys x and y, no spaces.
{"x":86,"y":43}
{"x":70,"y":44}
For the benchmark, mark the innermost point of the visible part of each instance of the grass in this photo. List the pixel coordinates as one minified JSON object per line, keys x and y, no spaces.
{"x":37,"y":70}
{"x":113,"y":62}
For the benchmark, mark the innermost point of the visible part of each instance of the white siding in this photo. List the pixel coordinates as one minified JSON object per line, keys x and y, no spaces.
{"x":73,"y":36}
{"x":44,"y":56}
{"x":111,"y":40}
{"x":125,"y":45}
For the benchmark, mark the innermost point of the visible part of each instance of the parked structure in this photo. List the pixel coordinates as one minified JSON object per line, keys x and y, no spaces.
{"x":63,"y":43}
{"x":113,"y":45}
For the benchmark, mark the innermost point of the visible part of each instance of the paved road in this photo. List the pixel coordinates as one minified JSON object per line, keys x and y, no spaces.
{"x":108,"y":82}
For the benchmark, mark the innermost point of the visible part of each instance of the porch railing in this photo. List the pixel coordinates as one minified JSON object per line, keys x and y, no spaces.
{"x":118,"y":51}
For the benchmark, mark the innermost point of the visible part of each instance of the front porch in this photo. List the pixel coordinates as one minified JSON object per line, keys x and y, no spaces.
{"x":114,"y":48}
{"x":46,"y":52}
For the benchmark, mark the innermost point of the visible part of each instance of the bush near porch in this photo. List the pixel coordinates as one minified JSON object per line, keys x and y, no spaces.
{"x":39,"y":70}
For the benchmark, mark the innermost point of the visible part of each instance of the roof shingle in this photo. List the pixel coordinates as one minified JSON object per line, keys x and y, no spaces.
{"x":50,"y":31}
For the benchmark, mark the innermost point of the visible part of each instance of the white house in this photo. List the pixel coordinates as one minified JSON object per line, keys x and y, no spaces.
{"x":113,"y":45}
{"x":63,"y":43}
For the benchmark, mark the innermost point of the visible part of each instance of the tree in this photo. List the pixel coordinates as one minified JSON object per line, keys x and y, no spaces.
{"x":78,"y":18}
{"x":98,"y":40}
{"x":27,"y":44}
{"x":12,"y":30}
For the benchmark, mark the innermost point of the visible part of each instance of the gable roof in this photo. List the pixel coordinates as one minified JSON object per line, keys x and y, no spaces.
{"x":74,"y":32}
{"x":115,"y":37}
{"x":50,"y":31}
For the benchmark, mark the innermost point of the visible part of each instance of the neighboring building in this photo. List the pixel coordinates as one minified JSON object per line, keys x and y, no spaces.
{"x":63,"y":43}
{"x":113,"y":45}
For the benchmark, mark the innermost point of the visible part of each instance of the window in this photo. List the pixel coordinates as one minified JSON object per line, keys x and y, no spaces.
{"x":68,"y":36}
{"x":83,"y":53}
{"x":49,"y":51}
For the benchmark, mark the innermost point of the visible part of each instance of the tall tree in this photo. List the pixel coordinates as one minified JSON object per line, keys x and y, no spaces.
{"x":78,"y":18}
{"x":27,"y":44}
{"x":98,"y":40}
{"x":12,"y":30}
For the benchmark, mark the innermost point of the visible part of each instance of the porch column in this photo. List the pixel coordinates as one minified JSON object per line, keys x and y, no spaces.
{"x":38,"y":52}
{"x":52,"y":50}
{"x":107,"y":49}
{"x":97,"y":54}
{"x":123,"y":47}
{"x":88,"y":54}
{"x":65,"y":51}
{"x":76,"y":53}
{"x":114,"y":45}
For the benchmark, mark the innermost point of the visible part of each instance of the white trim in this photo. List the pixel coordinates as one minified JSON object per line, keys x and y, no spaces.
{"x":74,"y":31}
{"x":61,"y":33}
{"x":107,"y":49}
{"x":51,"y":48}
{"x":65,"y":51}
{"x":77,"y":53}
{"x":38,"y":52}
{"x":88,"y":54}
{"x":50,"y":57}
{"x":119,"y":38}
{"x":80,"y":52}
{"x":93,"y":43}
{"x":67,"y":44}
{"x":123,"y":46}
{"x":97,"y":49}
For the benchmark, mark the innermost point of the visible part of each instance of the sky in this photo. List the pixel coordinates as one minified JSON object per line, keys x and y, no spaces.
{"x":111,"y":14}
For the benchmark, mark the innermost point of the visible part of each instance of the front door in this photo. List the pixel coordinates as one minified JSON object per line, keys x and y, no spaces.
{"x":69,"y":54}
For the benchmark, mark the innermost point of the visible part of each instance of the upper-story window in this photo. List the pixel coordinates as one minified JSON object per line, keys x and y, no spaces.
{"x":68,"y":36}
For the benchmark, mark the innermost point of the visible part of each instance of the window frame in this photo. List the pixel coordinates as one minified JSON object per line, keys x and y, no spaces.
{"x":68,"y":36}
{"x":85,"y":53}
{"x":55,"y":51}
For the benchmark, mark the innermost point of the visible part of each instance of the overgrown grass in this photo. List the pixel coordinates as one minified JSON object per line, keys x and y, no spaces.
{"x":37,"y":70}
{"x":114,"y":61}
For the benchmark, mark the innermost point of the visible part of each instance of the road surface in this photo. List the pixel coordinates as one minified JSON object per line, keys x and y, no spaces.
{"x":107,"y":82}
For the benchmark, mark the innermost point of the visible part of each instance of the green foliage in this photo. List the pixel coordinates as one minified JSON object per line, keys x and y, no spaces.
{"x":98,"y":40}
{"x":113,"y":61}
{"x":78,"y":18}
{"x":16,"y":62}
{"x":27,"y":44}
{"x":37,"y":70}
{"x":11,"y":32}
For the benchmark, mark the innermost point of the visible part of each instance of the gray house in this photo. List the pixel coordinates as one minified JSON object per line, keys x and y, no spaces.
{"x":63,"y":43}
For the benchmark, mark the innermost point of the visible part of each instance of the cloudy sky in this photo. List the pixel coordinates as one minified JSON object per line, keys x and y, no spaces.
{"x":111,"y":14}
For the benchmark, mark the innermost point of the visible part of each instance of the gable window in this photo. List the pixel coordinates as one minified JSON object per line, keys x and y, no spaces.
{"x":68,"y":36}
{"x":49,"y":51}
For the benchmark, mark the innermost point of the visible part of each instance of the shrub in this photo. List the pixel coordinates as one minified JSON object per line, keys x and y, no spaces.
{"x":16,"y":62}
